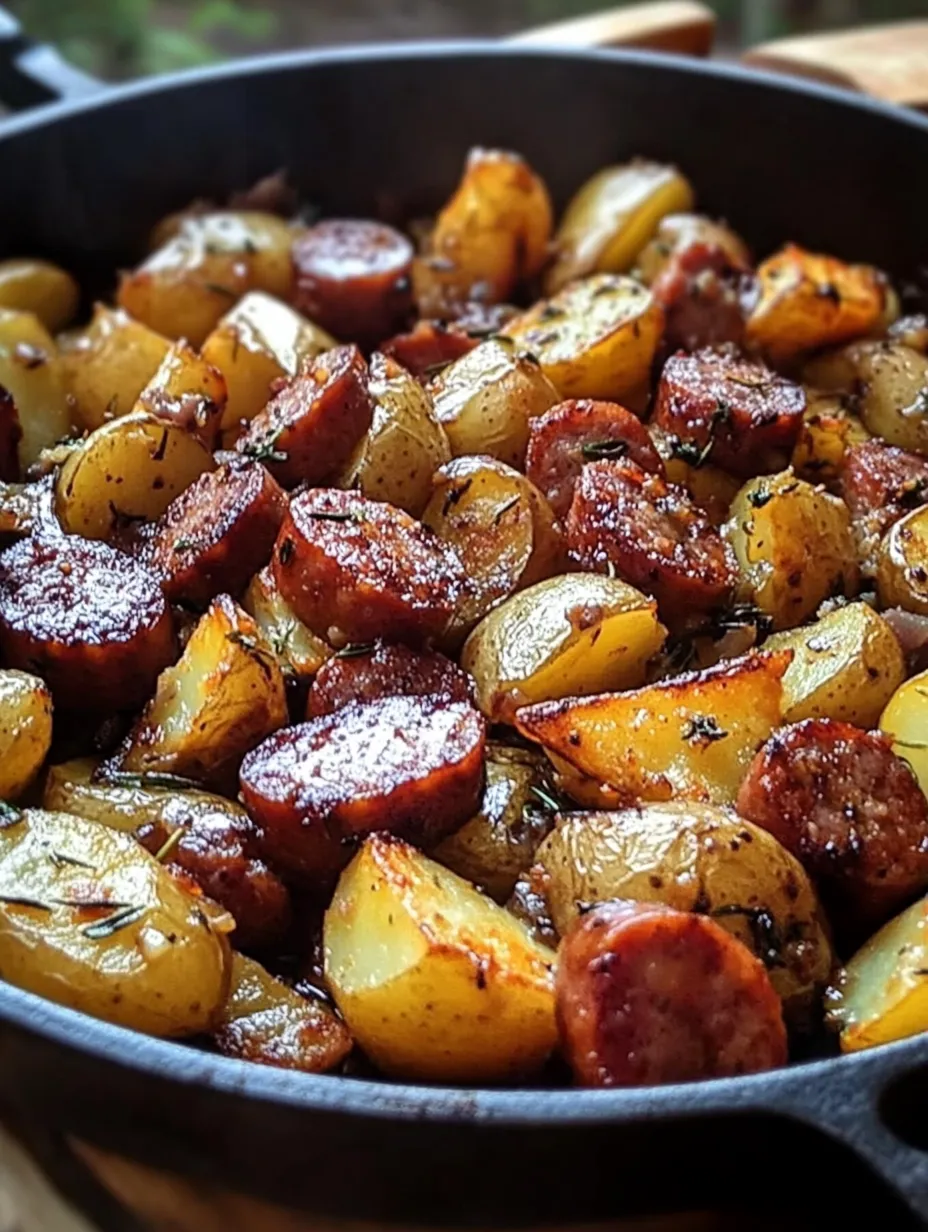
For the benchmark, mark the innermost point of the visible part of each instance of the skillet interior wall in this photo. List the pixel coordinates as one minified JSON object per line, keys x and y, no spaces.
{"x":386,"y":136}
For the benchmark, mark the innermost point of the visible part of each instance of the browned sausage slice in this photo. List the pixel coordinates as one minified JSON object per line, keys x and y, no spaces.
{"x":366,"y":673}
{"x":10,"y":435}
{"x":353,"y":277}
{"x":428,"y":348}
{"x":648,"y":995}
{"x":880,"y":483}
{"x":308,"y":430}
{"x":649,"y":533}
{"x":700,"y":290}
{"x":221,"y":853}
{"x":217,"y":534}
{"x":354,"y":570}
{"x":410,"y":765}
{"x":564,"y":439}
{"x":734,"y":411}
{"x":90,"y":621}
{"x":851,"y":812}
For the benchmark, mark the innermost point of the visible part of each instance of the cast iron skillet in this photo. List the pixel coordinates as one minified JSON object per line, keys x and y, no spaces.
{"x":382,"y":131}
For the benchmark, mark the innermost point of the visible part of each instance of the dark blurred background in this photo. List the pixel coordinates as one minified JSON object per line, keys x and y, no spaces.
{"x":128,"y":38}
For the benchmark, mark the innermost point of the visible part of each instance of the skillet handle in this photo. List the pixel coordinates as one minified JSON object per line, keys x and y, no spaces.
{"x":34,"y":73}
{"x":683,"y":26}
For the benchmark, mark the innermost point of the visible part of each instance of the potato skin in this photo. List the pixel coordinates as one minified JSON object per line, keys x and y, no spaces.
{"x":694,"y":857}
{"x":48,"y":291}
{"x":25,"y":730}
{"x":893,"y":379}
{"x":435,"y":981}
{"x":647,"y":995}
{"x":847,"y":665}
{"x":901,"y":577}
{"x":411,"y":765}
{"x":31,"y":372}
{"x":161,"y":967}
{"x":266,"y":1022}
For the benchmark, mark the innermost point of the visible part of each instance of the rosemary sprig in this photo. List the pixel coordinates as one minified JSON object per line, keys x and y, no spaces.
{"x":546,"y":798}
{"x":595,"y":451}
{"x":169,"y":844}
{"x":23,"y":900}
{"x":61,"y":858}
{"x":100,"y":930}
{"x":148,"y":778}
{"x":354,"y":650}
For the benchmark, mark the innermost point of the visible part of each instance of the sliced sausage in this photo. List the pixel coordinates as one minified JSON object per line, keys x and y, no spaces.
{"x":354,"y":278}
{"x":354,"y":570}
{"x":221,"y":853}
{"x":308,"y":430}
{"x":564,"y":439}
{"x":849,"y":809}
{"x":410,"y":765}
{"x":648,"y":995}
{"x":428,"y":348}
{"x":880,"y":484}
{"x":10,"y":436}
{"x":93,"y":623}
{"x":649,"y":533}
{"x":366,"y":673}
{"x":700,"y":290}
{"x":733,"y":411}
{"x":217,"y":534}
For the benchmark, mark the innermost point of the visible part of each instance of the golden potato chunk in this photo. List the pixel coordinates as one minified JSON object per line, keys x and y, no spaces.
{"x":48,"y":291}
{"x":902,"y":563}
{"x":610,"y":219}
{"x":265,"y":1021}
{"x":692,"y":736}
{"x":299,"y":652}
{"x":882,"y":995}
{"x":905,"y":720}
{"x":89,"y":919}
{"x":845,"y":666}
{"x":806,"y":301}
{"x":186,"y":391}
{"x":259,"y":341}
{"x":125,"y":471}
{"x":405,"y":444}
{"x":501,"y":528}
{"x":828,"y":431}
{"x":893,"y":380}
{"x":224,"y":695}
{"x":568,"y":636}
{"x":794,"y":547}
{"x":25,"y":730}
{"x":436,"y":982}
{"x":108,"y":364}
{"x":32,"y":374}
{"x":183,"y":288}
{"x":695,"y":857}
{"x":485,"y":399}
{"x":595,"y":339}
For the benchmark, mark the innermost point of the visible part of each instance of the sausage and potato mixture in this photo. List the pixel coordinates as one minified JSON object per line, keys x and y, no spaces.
{"x":494,"y":656}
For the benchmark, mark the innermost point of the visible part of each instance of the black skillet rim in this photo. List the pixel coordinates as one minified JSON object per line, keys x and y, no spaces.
{"x":384,"y":1100}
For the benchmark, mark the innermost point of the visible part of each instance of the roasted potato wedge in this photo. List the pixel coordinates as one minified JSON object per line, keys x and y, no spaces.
{"x":845,"y":666}
{"x":223,"y":696}
{"x":31,"y":372}
{"x":435,"y":981}
{"x":48,"y":291}
{"x":828,"y":431}
{"x":711,"y":488}
{"x":405,"y":444}
{"x":806,"y":301}
{"x":259,"y":341}
{"x":882,"y":995}
{"x":612,"y":217}
{"x":490,"y":236}
{"x":25,"y":730}
{"x":183,"y":288}
{"x":498,"y":843}
{"x":125,"y":471}
{"x":695,"y":857}
{"x":186,"y":391}
{"x":502,"y":529}
{"x":894,"y":394}
{"x":595,"y":339}
{"x":91,"y":920}
{"x":794,"y":547}
{"x":902,"y":563}
{"x":571,"y":635}
{"x":485,"y":399}
{"x":264,"y":1020}
{"x":108,"y":365}
{"x":299,"y":652}
{"x":692,"y":736}
{"x":905,"y":719}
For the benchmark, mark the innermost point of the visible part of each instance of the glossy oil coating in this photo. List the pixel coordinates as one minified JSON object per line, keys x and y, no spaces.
{"x":383,"y":670}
